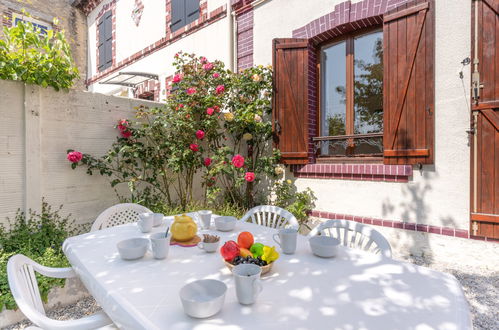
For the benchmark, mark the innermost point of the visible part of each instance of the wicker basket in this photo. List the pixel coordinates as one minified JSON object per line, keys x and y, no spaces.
{"x":265,"y":269}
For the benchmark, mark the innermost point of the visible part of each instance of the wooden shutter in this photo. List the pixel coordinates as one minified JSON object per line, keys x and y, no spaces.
{"x":191,"y":11}
{"x":290,"y":101}
{"x":408,"y":88}
{"x":177,"y":14}
{"x":108,"y":22}
{"x":100,"y":46}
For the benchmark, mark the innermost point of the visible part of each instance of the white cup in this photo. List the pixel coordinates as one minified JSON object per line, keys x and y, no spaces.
{"x":248,"y":284}
{"x":205,"y":216}
{"x":287,"y":240}
{"x":160,"y":245}
{"x":158,"y":219}
{"x":208,"y":247}
{"x":146,"y":220}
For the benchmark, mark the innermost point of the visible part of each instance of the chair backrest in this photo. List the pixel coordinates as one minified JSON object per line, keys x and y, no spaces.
{"x":271,"y":216}
{"x":355,"y":235}
{"x":118,"y":214}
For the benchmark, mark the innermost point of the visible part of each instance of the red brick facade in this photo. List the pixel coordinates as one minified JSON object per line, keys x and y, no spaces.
{"x":447,"y":231}
{"x":150,"y":87}
{"x":371,"y":172}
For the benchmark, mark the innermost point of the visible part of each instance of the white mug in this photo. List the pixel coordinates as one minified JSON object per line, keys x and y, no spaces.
{"x":287,"y":240}
{"x":248,"y":284}
{"x":158,"y":219}
{"x":208,"y":247}
{"x":146,"y":220}
{"x":160,"y":245}
{"x":205,"y":216}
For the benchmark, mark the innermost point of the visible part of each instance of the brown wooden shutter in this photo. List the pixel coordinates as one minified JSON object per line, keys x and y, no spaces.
{"x":408,"y":90}
{"x":290,"y":101}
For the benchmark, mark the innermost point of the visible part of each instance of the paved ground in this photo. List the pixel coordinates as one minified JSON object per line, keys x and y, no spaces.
{"x":480,"y":283}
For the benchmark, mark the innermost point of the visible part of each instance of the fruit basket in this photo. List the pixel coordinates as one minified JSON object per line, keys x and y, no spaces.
{"x":265,"y":269}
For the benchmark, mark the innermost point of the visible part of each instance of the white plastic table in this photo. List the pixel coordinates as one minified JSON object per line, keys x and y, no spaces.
{"x":355,"y":290}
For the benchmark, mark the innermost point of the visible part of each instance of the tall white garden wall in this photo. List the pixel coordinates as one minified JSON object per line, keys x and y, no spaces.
{"x":38,"y":125}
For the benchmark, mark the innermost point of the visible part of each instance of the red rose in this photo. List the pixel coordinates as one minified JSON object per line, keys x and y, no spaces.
{"x":194,"y":147}
{"x":210,"y":111}
{"x":74,"y":156}
{"x":123,"y":124}
{"x":217,"y":108}
{"x":249,"y":176}
{"x":204,"y":59}
{"x":238,"y":161}
{"x":191,"y":90}
{"x":177,"y":78}
{"x":220,"y":89}
{"x":216,"y":75}
{"x":207,"y":161}
{"x":126,"y":134}
{"x":199,"y":134}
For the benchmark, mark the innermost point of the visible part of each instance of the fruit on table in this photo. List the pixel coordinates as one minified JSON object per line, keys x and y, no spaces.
{"x":269,"y":254}
{"x":248,"y":260}
{"x":245,"y":253}
{"x":257,"y":249}
{"x":245,"y":239}
{"x":229,"y":250}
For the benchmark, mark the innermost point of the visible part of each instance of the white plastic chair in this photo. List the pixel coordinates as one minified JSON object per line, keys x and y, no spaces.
{"x":24,"y":288}
{"x":271,"y":216}
{"x":355,"y":235}
{"x":118,"y":214}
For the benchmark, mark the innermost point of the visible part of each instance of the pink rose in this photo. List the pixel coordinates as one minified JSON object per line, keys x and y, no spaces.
{"x":194,"y":147}
{"x":207,"y":161}
{"x":180,"y":106}
{"x":238,"y":161}
{"x":191,"y":90}
{"x":208,"y":66}
{"x":177,"y":78}
{"x":210,"y":111}
{"x":204,"y":59}
{"x":199,"y":134}
{"x":74,"y":156}
{"x":216,"y":75}
{"x":220,"y":89}
{"x":249,"y":176}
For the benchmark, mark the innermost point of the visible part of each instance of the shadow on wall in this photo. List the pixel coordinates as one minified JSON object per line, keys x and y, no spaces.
{"x":415,"y":209}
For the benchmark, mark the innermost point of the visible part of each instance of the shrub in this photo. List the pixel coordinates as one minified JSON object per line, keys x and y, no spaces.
{"x":39,"y":237}
{"x":35,"y":58}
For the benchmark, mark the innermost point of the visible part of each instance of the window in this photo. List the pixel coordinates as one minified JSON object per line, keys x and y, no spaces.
{"x":105,"y":44}
{"x":183,"y":12}
{"x":351,"y":80}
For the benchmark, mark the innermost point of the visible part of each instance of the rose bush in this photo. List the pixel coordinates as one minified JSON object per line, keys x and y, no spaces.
{"x":215,"y":124}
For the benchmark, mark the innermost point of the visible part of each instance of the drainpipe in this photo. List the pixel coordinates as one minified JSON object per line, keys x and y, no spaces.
{"x":231,"y":34}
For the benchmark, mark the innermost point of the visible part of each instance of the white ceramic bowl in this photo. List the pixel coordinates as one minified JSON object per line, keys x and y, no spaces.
{"x":158,"y":219}
{"x":324,"y":246}
{"x":225,"y":223}
{"x":203,"y":298}
{"x":133,"y":248}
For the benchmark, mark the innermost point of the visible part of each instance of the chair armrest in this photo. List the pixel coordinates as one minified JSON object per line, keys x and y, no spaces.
{"x":55,"y":272}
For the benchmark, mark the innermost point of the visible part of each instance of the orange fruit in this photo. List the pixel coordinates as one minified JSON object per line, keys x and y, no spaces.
{"x":245,"y":239}
{"x":245,"y":252}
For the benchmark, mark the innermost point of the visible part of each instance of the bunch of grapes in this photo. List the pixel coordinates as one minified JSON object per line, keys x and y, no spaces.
{"x":248,"y":260}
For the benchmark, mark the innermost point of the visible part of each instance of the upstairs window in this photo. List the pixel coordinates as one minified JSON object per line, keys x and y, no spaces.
{"x":183,"y":12}
{"x":105,"y":45}
{"x":351,"y":79}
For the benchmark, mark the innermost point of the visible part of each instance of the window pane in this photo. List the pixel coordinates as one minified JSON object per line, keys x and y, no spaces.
{"x":368,"y":83}
{"x":333,"y":78}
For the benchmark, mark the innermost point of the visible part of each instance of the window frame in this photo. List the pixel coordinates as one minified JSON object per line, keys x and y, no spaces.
{"x":349,"y":104}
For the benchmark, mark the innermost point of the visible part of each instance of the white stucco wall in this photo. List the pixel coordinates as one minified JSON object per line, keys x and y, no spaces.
{"x":437,"y":195}
{"x":210,"y":41}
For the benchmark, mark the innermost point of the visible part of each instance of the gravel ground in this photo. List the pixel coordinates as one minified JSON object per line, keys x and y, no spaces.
{"x":480,"y":285}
